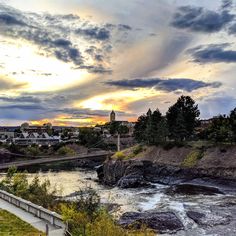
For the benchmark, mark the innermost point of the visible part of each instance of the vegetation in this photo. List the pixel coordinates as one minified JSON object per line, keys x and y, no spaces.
{"x":36,"y":191}
{"x":119,"y":155}
{"x":33,"y":150}
{"x":192,"y":158}
{"x":179,"y":126}
{"x":66,"y":151}
{"x":86,"y":217}
{"x":182,"y":118}
{"x":14,"y":226}
{"x":90,"y":138}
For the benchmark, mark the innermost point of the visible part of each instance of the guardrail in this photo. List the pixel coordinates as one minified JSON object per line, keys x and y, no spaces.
{"x":38,"y":211}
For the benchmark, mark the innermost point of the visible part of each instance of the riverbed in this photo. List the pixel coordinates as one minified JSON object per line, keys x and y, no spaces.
{"x":219,"y":209}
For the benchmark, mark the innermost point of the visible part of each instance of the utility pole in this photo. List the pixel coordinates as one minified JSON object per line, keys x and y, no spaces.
{"x":118,"y":142}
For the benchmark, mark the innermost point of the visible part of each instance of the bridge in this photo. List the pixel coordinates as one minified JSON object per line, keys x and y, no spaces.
{"x":48,"y":159}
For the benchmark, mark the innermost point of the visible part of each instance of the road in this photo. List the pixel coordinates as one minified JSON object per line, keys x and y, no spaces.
{"x":53,"y":159}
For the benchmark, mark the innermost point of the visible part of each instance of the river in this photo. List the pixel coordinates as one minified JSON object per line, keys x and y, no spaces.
{"x":219,"y":209}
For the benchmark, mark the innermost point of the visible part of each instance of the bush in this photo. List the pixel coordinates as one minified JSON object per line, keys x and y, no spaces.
{"x":32,"y":151}
{"x":192,"y":158}
{"x":119,"y":155}
{"x":65,"y":151}
{"x":37,"y":192}
{"x":137,"y":150}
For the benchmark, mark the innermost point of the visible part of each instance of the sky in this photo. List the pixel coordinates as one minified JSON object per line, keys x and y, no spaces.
{"x":70,"y":62}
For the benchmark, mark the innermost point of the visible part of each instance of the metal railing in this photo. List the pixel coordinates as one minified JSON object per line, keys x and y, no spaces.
{"x":38,"y":211}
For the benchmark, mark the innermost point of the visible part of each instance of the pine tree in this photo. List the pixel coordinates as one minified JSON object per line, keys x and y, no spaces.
{"x":184,"y":110}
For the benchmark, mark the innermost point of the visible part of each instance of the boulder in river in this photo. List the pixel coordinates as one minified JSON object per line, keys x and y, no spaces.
{"x":208,"y":219}
{"x":193,"y":189}
{"x":160,"y":222}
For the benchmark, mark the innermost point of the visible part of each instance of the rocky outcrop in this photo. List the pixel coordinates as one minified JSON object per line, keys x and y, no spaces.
{"x":161,"y":222}
{"x":208,"y":220}
{"x":135,"y":173}
{"x":193,"y":189}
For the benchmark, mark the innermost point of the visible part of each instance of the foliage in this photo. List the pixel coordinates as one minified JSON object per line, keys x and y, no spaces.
{"x":37,"y":192}
{"x":116,"y":127}
{"x":192,"y":158}
{"x":89,"y":138}
{"x":119,"y":155}
{"x":14,"y":226}
{"x":84,"y":220}
{"x":138,"y":149}
{"x":182,"y":118}
{"x":140,"y":128}
{"x":32,"y":150}
{"x":232,"y":121}
{"x":66,"y":151}
{"x":151,"y":128}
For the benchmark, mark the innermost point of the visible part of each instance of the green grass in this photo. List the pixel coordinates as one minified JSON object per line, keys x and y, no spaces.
{"x":11,"y":225}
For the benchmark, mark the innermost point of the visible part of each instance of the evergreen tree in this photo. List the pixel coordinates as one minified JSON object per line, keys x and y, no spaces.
{"x":185,"y":111}
{"x":152,"y":127}
{"x":232,"y":119}
{"x":140,"y":128}
{"x":179,"y":133}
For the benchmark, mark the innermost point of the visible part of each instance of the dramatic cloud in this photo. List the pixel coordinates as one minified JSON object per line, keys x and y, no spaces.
{"x":201,"y":20}
{"x":213,"y":53}
{"x":164,"y":84}
{"x":61,"y":36}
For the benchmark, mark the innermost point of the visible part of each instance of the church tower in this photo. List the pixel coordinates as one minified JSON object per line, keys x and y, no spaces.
{"x":112,"y":116}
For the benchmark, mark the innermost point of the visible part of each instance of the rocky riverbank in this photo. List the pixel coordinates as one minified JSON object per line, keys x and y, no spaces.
{"x":169,"y":167}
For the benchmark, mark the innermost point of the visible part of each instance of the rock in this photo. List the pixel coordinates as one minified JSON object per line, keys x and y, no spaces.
{"x":132,"y":181}
{"x":191,"y":189}
{"x":208,"y":219}
{"x":161,"y":222}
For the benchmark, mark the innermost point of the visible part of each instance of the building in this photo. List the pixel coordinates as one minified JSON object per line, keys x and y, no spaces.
{"x":112,"y":116}
{"x":43,"y":139}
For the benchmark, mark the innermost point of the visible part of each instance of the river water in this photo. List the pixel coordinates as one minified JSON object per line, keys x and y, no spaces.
{"x":220,"y":209}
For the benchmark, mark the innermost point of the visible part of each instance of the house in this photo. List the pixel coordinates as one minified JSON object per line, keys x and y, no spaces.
{"x":35,"y":138}
{"x":6,"y":134}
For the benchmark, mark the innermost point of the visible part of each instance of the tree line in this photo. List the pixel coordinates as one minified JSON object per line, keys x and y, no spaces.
{"x":179,"y":124}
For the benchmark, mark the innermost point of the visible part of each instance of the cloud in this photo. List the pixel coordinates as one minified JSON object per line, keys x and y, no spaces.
{"x":124,"y":27}
{"x":60,"y":36}
{"x":232,"y":29}
{"x":8,"y":84}
{"x":226,"y":4}
{"x":10,"y":20}
{"x":168,"y":85}
{"x":96,"y":69}
{"x":216,"y":104}
{"x":95,"y":33}
{"x":198,"y":19}
{"x":213,"y":53}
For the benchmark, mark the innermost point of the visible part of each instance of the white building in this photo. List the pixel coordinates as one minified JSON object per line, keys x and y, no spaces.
{"x":34,"y":138}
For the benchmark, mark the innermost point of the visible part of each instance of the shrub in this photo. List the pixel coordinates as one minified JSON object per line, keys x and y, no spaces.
{"x":32,"y":151}
{"x":65,"y":151}
{"x":137,"y":150}
{"x":192,"y":158}
{"x":119,"y":155}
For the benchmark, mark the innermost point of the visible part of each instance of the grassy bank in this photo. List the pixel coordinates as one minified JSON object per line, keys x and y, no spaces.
{"x":14,"y":226}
